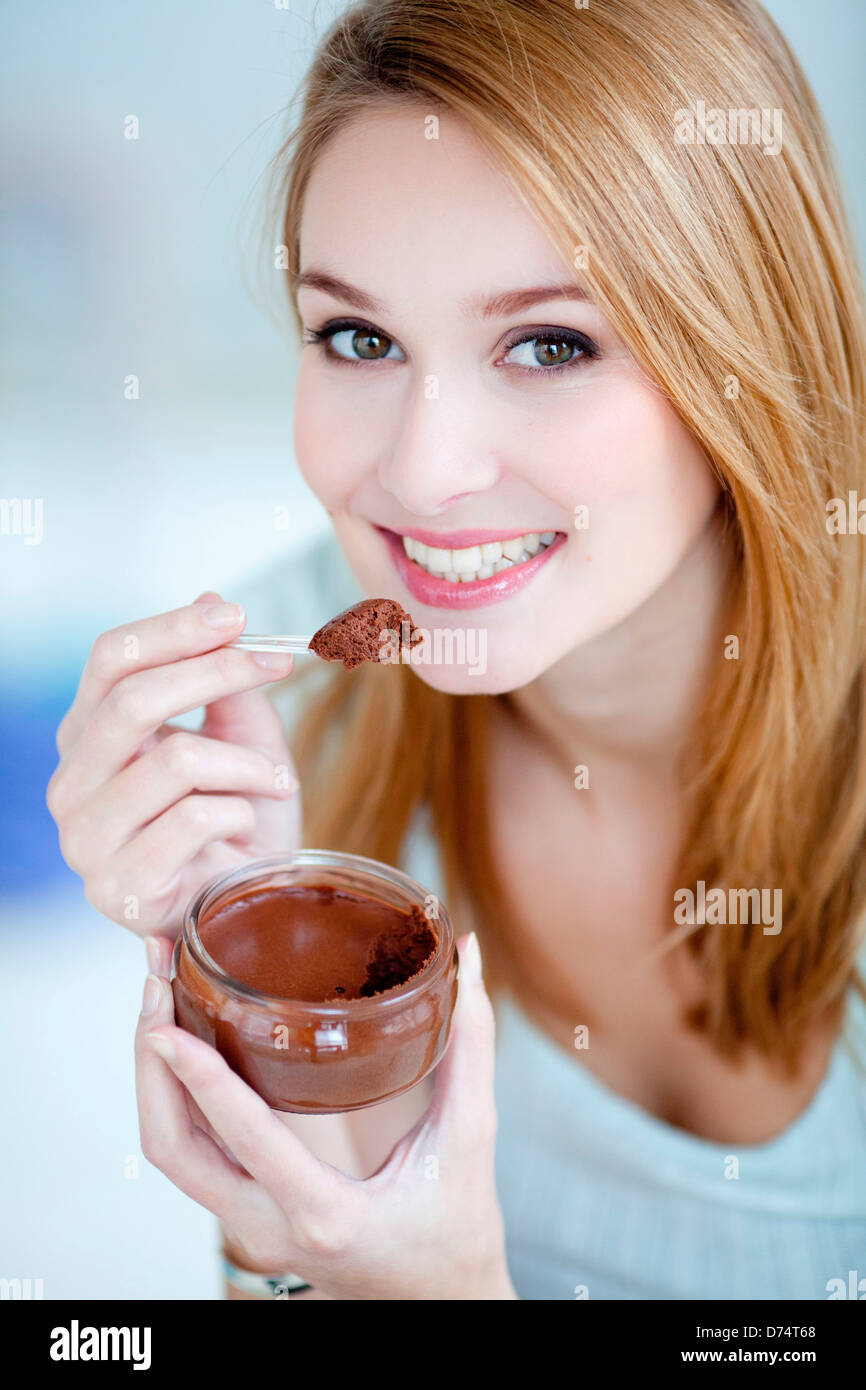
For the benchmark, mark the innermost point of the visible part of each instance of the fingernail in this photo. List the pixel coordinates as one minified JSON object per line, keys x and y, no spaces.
{"x":271,"y":661}
{"x":151,"y":946}
{"x":162,"y":1046}
{"x":150,"y":998}
{"x":472,"y":959}
{"x":209,"y":596}
{"x":285,"y":781}
{"x":222,"y":615}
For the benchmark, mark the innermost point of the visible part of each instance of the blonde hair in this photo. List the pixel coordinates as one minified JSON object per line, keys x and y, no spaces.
{"x":730,"y":274}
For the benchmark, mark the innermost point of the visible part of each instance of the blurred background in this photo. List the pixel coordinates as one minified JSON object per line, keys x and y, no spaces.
{"x":127,"y":258}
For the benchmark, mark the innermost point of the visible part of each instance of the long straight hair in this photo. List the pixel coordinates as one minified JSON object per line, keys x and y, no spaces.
{"x":729,"y":272}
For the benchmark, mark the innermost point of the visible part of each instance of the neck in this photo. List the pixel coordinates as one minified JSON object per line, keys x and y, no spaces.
{"x":624,"y":703}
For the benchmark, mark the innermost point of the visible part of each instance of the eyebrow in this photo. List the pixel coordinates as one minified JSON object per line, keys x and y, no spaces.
{"x":497,"y":306}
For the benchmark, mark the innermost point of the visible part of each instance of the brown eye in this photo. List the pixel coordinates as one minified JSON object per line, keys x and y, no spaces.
{"x":549,"y":353}
{"x":355,"y":342}
{"x":370,"y":345}
{"x":550,"y":350}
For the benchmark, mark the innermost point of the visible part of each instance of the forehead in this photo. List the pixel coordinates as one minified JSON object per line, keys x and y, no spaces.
{"x":408,"y":218}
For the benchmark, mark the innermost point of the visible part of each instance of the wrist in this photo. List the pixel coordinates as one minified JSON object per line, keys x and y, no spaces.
{"x":233,"y":1251}
{"x":248,"y":1278}
{"x":244,"y":1283}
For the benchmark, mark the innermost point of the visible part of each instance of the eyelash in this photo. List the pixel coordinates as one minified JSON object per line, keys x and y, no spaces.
{"x":321,"y":337}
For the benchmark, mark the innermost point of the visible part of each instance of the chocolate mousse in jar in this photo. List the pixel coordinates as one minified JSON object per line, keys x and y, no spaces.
{"x":327,"y":981}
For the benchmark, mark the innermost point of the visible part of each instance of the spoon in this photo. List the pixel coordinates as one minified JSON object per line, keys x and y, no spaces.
{"x":250,"y":642}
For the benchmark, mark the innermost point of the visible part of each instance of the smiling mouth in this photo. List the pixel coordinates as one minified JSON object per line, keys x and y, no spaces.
{"x":470,"y":563}
{"x":481,"y":569}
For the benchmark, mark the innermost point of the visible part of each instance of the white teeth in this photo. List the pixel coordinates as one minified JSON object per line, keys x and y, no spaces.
{"x":439,"y":561}
{"x":467,"y":561}
{"x":513,"y":549}
{"x":477,"y":561}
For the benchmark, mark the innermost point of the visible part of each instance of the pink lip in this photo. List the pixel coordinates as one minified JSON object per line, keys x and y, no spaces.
{"x":443,"y":593}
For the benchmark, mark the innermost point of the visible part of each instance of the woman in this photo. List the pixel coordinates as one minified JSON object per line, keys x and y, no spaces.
{"x":579,"y":304}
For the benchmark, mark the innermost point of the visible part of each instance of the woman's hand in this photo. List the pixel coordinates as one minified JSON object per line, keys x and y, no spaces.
{"x":148,"y":812}
{"x":427,"y":1225}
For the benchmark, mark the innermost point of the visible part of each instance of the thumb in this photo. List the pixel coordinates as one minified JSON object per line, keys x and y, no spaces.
{"x":249,"y":718}
{"x":464,"y":1096}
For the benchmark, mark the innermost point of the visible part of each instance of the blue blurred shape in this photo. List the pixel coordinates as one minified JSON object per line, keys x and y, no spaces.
{"x":30,"y":857}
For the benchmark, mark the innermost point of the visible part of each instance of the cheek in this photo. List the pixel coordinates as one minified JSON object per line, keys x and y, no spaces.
{"x":326,"y":447}
{"x":643,"y":478}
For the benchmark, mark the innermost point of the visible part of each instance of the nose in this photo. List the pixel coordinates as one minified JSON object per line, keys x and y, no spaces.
{"x":439,"y":456}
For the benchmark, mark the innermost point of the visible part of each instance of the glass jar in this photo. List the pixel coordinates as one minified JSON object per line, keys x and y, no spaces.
{"x":319,"y":1058}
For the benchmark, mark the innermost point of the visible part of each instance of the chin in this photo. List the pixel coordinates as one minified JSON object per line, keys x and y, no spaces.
{"x":455,"y":680}
{"x":499,"y":667}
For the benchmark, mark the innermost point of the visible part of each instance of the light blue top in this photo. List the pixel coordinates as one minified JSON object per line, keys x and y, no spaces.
{"x":603,"y":1200}
{"x":598,"y":1193}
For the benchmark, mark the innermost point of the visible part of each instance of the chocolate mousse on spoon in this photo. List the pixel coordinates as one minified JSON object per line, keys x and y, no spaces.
{"x":353,"y":636}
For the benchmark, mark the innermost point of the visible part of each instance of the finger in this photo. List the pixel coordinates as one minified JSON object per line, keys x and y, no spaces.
{"x":250,"y":719}
{"x":159,"y":951}
{"x":147,"y":869}
{"x":179,"y":764}
{"x":303,"y":1187}
{"x":138,"y":704}
{"x":144,"y":644}
{"x":169,"y":1139}
{"x":463,"y":1105}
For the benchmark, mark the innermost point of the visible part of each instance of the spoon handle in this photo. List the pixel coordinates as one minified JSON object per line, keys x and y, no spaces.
{"x":252,"y":643}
